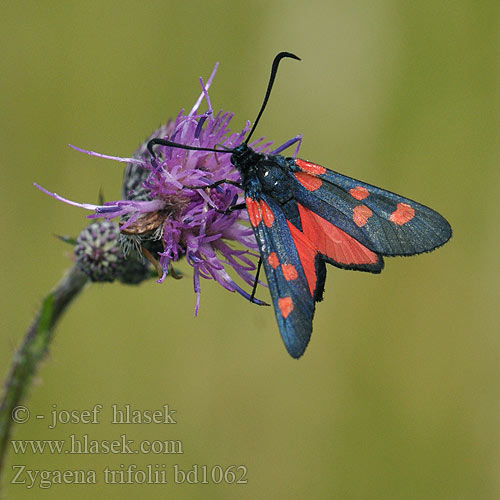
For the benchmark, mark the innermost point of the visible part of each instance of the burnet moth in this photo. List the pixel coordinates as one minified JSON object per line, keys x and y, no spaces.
{"x":304,"y":215}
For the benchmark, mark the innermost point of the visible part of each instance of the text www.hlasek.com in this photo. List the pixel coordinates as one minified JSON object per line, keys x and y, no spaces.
{"x":81,"y":445}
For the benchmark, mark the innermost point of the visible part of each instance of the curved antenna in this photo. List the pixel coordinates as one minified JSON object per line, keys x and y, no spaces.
{"x":165,"y":142}
{"x":274,"y":70}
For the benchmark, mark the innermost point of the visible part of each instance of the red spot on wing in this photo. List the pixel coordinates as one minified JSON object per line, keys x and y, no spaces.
{"x":307,"y":254}
{"x":403,"y":214}
{"x":309,"y":167}
{"x":310,"y":182}
{"x":253,"y":211}
{"x":286,"y":306}
{"x":361,"y":214}
{"x":289,"y":272}
{"x":273,"y":260}
{"x":332,"y":242}
{"x":267,"y":214}
{"x":359,"y":192}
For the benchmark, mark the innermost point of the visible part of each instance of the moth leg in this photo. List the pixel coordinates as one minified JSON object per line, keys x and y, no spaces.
{"x":256,"y":281}
{"x":228,"y":211}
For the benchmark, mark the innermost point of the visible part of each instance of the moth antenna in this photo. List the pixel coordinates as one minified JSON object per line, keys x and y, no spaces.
{"x":165,"y":142}
{"x":274,"y":70}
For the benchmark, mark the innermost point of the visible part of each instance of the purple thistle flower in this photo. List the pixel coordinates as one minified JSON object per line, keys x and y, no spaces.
{"x":166,"y":221}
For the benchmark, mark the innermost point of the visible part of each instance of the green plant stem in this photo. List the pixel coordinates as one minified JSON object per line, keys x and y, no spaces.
{"x":33,"y":349}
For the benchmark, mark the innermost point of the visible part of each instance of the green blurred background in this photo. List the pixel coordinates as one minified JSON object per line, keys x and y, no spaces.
{"x":398,"y":393}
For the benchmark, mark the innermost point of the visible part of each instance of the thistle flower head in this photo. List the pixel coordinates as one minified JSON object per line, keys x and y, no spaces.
{"x":98,"y":252}
{"x":100,"y":255}
{"x":165,"y":220}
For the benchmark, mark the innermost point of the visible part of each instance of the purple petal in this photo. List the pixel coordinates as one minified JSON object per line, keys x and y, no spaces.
{"x":107,"y":157}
